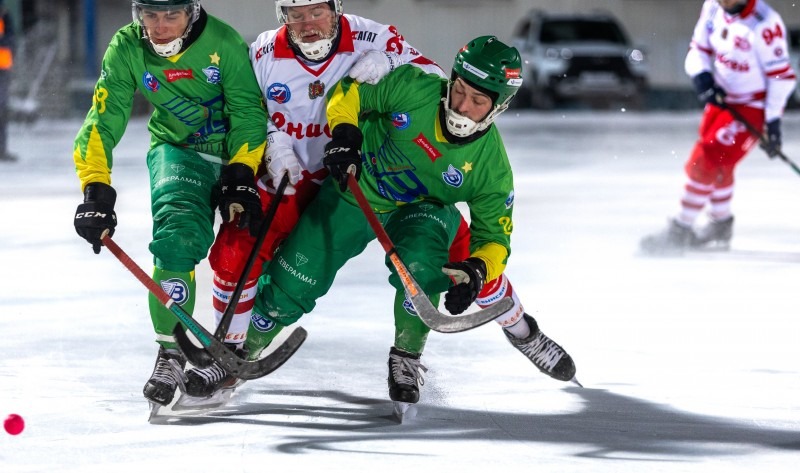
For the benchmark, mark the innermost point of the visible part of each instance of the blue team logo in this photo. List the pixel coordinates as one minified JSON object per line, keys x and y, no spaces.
{"x":510,"y":199}
{"x":177,"y":289}
{"x":401,"y":121}
{"x":453,"y":177}
{"x":279,"y":93}
{"x":409,"y":307}
{"x":150,"y":82}
{"x":260,"y":323}
{"x":213,"y":75}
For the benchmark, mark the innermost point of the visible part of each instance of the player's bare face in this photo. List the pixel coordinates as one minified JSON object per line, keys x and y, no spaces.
{"x":468,"y":101}
{"x":311,"y":22}
{"x":164,"y":26}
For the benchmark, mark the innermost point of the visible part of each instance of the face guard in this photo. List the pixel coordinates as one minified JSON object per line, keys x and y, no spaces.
{"x":493,"y":68}
{"x":141,"y":8}
{"x":316,"y":50}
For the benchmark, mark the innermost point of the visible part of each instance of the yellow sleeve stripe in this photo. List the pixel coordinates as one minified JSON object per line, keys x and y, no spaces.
{"x":249,"y":157}
{"x":94,"y":166}
{"x":494,"y":255}
{"x":344,"y":104}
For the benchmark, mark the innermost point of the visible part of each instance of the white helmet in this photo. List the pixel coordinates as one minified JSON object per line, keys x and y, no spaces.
{"x":192,"y":7}
{"x":318,"y":50}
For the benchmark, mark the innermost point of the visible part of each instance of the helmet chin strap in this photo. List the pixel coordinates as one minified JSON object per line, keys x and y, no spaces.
{"x":460,"y":126}
{"x":173,"y":47}
{"x":318,"y":50}
{"x":169,"y":49}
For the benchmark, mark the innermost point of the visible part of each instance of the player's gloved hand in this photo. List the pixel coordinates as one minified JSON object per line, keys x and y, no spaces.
{"x":343,"y":151}
{"x":240,"y":196}
{"x":96,"y":214}
{"x":707,"y":90}
{"x":468,"y":276}
{"x":373,"y":65}
{"x":281,"y":159}
{"x":772,"y":142}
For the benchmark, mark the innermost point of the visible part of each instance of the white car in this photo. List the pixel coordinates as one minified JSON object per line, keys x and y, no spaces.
{"x":578,"y":57}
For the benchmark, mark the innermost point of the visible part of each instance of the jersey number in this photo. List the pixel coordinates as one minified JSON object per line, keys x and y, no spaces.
{"x":770,"y":35}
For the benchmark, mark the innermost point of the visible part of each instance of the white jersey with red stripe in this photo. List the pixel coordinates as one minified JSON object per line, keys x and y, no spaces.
{"x":294,"y":89}
{"x":747,"y":53}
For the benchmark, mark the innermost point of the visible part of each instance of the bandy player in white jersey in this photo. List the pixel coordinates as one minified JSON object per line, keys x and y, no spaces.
{"x":295,"y":64}
{"x":738,"y":60}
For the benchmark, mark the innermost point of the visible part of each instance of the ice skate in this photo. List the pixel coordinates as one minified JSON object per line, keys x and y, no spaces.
{"x":203,"y":382}
{"x":208,"y":388}
{"x":674,"y":239}
{"x":716,"y":235}
{"x":166,"y":378}
{"x":545,"y":354}
{"x":405,"y":379}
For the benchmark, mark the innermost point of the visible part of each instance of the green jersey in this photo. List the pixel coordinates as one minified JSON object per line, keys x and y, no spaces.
{"x":206,"y":98}
{"x":408,"y":159}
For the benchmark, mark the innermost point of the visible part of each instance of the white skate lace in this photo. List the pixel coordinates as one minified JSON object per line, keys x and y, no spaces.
{"x":169,"y":372}
{"x":407,"y":370}
{"x":211,"y":375}
{"x":544,"y":352}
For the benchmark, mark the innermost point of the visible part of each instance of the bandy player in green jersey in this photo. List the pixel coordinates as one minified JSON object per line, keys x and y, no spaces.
{"x":425,"y":143}
{"x":208,"y":135}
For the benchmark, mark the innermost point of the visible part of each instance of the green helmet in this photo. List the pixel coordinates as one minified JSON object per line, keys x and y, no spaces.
{"x":494,"y":68}
{"x":491,"y":65}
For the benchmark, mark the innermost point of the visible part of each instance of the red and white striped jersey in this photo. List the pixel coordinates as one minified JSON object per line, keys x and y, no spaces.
{"x":294,"y":89}
{"x":747,"y":53}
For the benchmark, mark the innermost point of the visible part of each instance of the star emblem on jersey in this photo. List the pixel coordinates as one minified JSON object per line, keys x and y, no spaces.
{"x":300,"y":260}
{"x":467,"y":167}
{"x":214,"y":58}
{"x":453,"y":177}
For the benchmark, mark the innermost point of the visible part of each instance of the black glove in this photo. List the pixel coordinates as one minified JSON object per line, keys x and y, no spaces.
{"x":239,"y":195}
{"x":707,"y":90}
{"x":96,"y":214}
{"x":468,"y":276}
{"x":772,"y":141}
{"x":343,"y":151}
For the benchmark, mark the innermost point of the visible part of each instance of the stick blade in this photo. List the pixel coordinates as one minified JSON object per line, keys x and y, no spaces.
{"x":248,"y":370}
{"x":444,"y":323}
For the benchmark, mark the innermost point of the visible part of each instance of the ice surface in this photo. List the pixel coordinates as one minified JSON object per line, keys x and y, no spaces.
{"x":689,"y":364}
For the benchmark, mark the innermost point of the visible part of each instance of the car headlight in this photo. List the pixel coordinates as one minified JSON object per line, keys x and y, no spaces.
{"x":636,"y":56}
{"x":557,"y":54}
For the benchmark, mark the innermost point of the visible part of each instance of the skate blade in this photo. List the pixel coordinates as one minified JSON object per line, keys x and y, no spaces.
{"x":713,"y":247}
{"x":404,"y":411}
{"x":186,"y":405}
{"x":191,"y":403}
{"x":160,"y":411}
